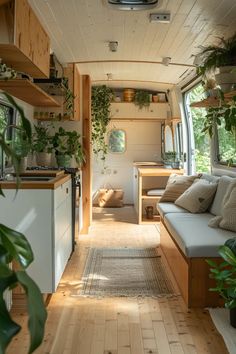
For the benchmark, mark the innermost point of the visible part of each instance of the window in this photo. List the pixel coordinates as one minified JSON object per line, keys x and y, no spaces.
{"x":7,"y":117}
{"x":226,"y":146}
{"x":199,"y":141}
{"x":117,"y":141}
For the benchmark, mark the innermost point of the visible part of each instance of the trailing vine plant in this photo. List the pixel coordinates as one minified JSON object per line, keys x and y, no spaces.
{"x":142,"y":99}
{"x":100,"y":108}
{"x":223,"y":115}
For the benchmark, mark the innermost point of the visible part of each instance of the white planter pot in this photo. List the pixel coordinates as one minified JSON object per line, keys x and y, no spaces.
{"x":227,"y":81}
{"x":43,"y":158}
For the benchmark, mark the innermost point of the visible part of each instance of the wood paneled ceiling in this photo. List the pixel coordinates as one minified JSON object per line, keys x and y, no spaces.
{"x":80,"y":31}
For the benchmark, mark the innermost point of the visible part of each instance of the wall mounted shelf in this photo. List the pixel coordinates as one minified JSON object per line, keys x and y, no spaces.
{"x":213,"y":101}
{"x":28,"y":92}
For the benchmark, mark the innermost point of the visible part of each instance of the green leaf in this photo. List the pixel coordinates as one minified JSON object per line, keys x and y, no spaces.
{"x":227,"y":255}
{"x":17,"y":245}
{"x":36,"y":310}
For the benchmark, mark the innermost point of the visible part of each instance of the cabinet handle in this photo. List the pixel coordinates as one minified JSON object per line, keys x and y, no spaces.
{"x":67,"y":190}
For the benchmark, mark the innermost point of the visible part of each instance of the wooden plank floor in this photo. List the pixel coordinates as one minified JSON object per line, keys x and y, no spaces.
{"x":79,"y":325}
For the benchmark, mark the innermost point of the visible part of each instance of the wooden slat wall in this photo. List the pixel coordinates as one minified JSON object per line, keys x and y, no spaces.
{"x":86,"y":171}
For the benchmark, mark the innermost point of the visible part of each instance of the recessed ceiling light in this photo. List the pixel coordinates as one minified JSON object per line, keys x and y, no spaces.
{"x":133,"y":4}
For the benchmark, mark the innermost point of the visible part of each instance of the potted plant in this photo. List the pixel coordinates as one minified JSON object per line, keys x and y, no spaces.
{"x":225,"y":276}
{"x":15,"y":247}
{"x":171,"y":159}
{"x":223,"y":57}
{"x":66,"y":144}
{"x":141,"y":99}
{"x":42,"y":145}
{"x":101,"y":100}
{"x":22,"y":147}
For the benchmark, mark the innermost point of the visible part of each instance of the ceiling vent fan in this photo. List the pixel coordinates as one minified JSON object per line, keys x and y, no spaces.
{"x":133,"y":4}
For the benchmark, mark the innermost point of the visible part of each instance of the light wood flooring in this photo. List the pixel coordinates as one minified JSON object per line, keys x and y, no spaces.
{"x":78,"y":325}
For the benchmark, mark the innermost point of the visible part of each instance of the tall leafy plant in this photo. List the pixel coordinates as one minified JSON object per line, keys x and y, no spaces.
{"x":101,"y":101}
{"x":214,"y":56}
{"x":15,"y":247}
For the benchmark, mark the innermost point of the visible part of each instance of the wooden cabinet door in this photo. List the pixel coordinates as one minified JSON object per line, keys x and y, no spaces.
{"x":31,"y":38}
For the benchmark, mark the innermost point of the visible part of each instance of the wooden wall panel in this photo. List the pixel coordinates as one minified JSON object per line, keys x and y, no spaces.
{"x":87,"y":170}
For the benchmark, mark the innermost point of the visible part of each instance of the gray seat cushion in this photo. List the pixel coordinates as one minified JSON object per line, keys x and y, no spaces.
{"x":193,"y":235}
{"x":165,"y":208}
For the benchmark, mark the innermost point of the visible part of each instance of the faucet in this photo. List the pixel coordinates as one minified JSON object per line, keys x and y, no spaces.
{"x":2,"y":174}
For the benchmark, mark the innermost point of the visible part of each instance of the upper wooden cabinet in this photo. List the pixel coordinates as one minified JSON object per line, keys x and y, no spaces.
{"x":24,"y":45}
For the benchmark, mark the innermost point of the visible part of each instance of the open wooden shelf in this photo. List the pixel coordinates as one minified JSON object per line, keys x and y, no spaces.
{"x":28,"y":92}
{"x":213,"y":101}
{"x":156,"y":218}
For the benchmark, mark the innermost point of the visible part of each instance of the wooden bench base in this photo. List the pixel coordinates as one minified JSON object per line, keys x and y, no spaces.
{"x":191,"y":274}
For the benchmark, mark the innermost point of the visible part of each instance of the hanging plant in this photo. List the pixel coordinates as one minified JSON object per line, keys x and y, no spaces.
{"x":101,"y":101}
{"x":69,"y":97}
{"x":141,"y":99}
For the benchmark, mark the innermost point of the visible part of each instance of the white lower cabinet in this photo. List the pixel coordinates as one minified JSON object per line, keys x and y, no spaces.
{"x":44,"y":216}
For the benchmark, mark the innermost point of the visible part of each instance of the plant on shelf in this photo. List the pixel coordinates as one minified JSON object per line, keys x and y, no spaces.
{"x":66,"y":144}
{"x":171,"y":158}
{"x":225,"y":276}
{"x":142,"y":99}
{"x":101,"y":100}
{"x":213,"y":57}
{"x":6,"y":72}
{"x":15,"y":247}
{"x":224,"y":114}
{"x":42,"y":144}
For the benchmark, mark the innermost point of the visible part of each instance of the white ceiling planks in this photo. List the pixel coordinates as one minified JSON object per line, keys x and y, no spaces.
{"x":81,"y":29}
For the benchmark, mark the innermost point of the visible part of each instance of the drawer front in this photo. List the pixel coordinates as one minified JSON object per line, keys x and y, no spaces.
{"x":62,"y":192}
{"x":63,"y":250}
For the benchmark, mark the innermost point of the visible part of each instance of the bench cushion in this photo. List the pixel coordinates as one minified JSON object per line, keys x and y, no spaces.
{"x":164,"y":208}
{"x":193,"y":235}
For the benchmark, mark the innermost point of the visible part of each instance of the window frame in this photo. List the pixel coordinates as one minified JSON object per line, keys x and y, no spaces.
{"x":108,"y":137}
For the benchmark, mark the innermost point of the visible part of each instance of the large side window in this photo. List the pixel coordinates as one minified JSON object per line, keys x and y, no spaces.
{"x":199,"y":141}
{"x":226,"y":146}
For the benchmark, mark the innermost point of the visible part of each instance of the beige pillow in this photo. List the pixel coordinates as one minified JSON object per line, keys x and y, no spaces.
{"x":198,"y":197}
{"x":176,"y":185}
{"x":228,"y":220}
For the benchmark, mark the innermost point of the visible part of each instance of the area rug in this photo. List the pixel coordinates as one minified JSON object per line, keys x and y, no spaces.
{"x":220,"y":317}
{"x":125,"y":272}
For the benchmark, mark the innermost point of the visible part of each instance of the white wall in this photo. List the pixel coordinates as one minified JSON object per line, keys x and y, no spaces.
{"x":143,"y":144}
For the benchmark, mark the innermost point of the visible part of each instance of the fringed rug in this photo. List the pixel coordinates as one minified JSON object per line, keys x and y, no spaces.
{"x":125,"y":272}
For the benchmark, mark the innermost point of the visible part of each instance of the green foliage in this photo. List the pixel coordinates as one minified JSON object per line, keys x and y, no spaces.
{"x":69,"y":97}
{"x":225,"y":273}
{"x":15,"y":247}
{"x":216,"y":56}
{"x":42,"y":140}
{"x":201,"y":140}
{"x":141,"y":99}
{"x":101,"y":101}
{"x":68,"y":143}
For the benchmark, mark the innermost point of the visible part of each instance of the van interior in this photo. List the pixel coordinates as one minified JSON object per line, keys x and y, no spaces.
{"x":125,"y":184}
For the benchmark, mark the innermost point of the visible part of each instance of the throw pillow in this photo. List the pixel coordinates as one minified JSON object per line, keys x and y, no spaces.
{"x":176,"y":185}
{"x":198,"y":197}
{"x":228,"y":221}
{"x":223,"y":184}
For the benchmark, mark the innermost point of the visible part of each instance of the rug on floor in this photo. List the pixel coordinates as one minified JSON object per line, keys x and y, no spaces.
{"x":125,"y":272}
{"x":220,"y":317}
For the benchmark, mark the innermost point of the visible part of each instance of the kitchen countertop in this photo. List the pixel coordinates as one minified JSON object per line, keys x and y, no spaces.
{"x":59,"y":178}
{"x":157,"y":171}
